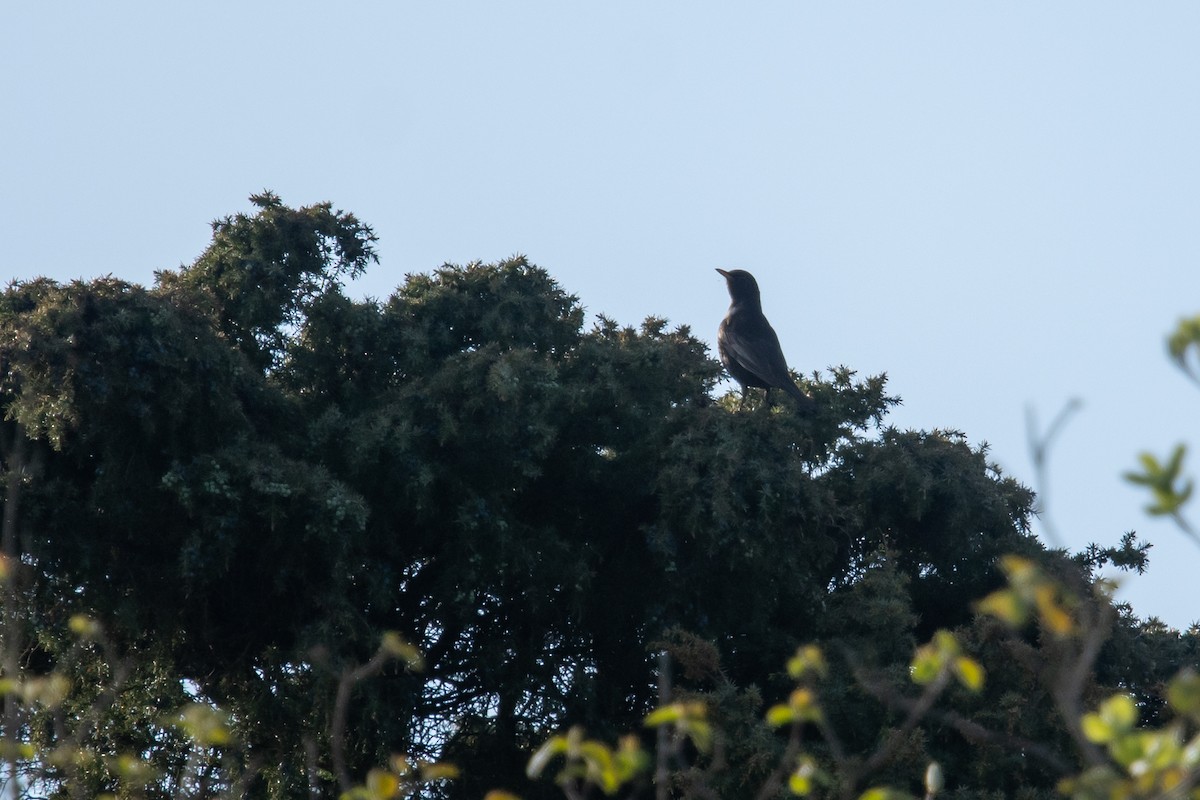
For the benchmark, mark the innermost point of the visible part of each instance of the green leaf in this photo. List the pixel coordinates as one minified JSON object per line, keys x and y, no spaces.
{"x":1183,"y":693}
{"x":84,"y":626}
{"x":884,"y":793}
{"x":675,"y":713}
{"x":969,"y":673}
{"x":806,"y":776}
{"x":1096,"y":729}
{"x":664,"y":716}
{"x":382,"y":785}
{"x":1005,"y":605}
{"x":1161,"y":480}
{"x":1018,"y":569}
{"x":799,"y":784}
{"x":397,"y":646}
{"x":630,"y":758}
{"x":946,"y":644}
{"x":1053,"y":616}
{"x":132,"y":769}
{"x":205,"y":725}
{"x":808,"y":660}
{"x":926,"y":665}
{"x":700,"y":732}
{"x":1120,"y":712}
{"x":1175,"y":462}
{"x":554,"y":746}
{"x":438,"y":771}
{"x":802,"y":703}
{"x":780,"y":715}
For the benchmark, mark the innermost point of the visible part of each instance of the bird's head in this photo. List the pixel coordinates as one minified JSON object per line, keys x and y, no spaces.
{"x":741,"y":284}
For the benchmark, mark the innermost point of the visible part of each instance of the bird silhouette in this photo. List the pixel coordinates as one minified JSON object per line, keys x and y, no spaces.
{"x":748,"y":345}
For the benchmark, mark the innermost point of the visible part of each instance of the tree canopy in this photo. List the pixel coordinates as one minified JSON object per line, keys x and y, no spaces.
{"x":246,"y":479}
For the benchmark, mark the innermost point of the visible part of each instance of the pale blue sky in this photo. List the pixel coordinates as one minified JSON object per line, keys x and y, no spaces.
{"x":995,"y":203}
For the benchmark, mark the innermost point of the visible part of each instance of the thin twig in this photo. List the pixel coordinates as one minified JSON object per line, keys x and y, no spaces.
{"x":774,"y":781}
{"x":1068,"y":688}
{"x":341,"y":708}
{"x":1039,"y":451}
{"x":974,"y":732}
{"x":916,"y":713}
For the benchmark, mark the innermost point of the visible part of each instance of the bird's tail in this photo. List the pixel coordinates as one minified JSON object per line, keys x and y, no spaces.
{"x":804,"y":403}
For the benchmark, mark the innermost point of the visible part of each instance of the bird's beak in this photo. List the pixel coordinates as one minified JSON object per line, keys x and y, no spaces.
{"x":724,"y":274}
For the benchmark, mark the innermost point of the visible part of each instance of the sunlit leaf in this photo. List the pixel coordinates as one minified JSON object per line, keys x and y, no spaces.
{"x":397,"y":646}
{"x":808,"y":660}
{"x":801,"y":785}
{"x":676,"y":713}
{"x":946,"y":644}
{"x":203,"y":724}
{"x":969,"y":673}
{"x":883,"y":793}
{"x":600,"y":765}
{"x":803,"y":780}
{"x":1127,"y":750}
{"x":554,"y":746}
{"x":438,"y":770}
{"x":1120,"y":712}
{"x":1018,"y":568}
{"x":382,"y":784}
{"x":926,"y":665}
{"x":700,"y":732}
{"x":1096,"y":729}
{"x":630,"y":758}
{"x":664,"y":715}
{"x":1053,"y":616}
{"x":132,"y":769}
{"x":1005,"y":605}
{"x":83,"y":626}
{"x":780,"y":715}
{"x":804,"y":705}
{"x":16,"y":750}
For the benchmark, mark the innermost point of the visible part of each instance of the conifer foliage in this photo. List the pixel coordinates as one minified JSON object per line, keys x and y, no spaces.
{"x":261,"y":537}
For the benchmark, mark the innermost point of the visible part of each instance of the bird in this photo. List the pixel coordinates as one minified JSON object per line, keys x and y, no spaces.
{"x":748,"y":345}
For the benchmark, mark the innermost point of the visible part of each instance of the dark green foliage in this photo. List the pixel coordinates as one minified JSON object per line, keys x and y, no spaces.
{"x":261,"y":273}
{"x":249,"y":477}
{"x":941,"y":510}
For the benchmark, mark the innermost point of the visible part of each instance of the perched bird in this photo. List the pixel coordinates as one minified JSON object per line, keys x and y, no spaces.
{"x":748,"y":345}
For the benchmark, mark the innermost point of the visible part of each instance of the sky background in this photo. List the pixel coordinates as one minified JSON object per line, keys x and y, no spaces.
{"x":996,"y":204}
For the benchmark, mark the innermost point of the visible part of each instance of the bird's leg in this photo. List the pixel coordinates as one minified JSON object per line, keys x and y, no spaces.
{"x":767,"y":398}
